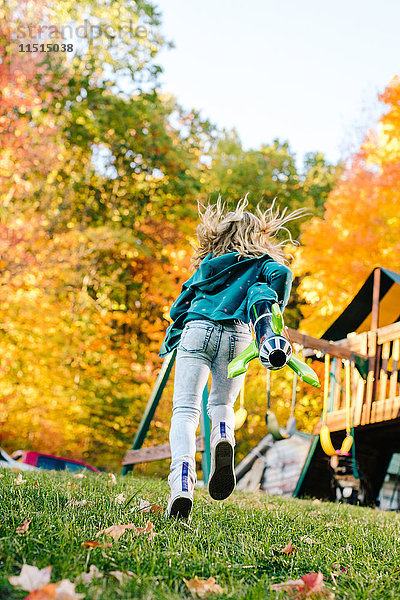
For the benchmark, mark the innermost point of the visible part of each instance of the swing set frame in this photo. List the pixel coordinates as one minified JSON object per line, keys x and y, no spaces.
{"x":136,"y":454}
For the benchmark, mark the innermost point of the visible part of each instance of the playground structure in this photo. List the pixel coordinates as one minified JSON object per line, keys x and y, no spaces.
{"x":365,"y":365}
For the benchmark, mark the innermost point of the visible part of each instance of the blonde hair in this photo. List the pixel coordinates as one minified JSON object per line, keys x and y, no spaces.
{"x":243,"y":232}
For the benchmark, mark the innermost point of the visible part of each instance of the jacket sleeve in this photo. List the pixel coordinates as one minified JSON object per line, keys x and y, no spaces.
{"x":279,"y":278}
{"x":274,"y":285}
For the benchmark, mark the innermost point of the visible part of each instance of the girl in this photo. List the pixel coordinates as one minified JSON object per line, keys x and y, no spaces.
{"x":240,"y":272}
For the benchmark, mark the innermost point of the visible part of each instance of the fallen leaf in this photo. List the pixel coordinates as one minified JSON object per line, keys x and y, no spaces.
{"x":113,"y":479}
{"x":90,"y":544}
{"x":48,"y":592}
{"x":310,"y":585}
{"x":73,"y":485}
{"x":31,"y":578}
{"x":94,"y":573}
{"x":115,"y":531}
{"x":63,"y":590}
{"x":289,"y":549}
{"x":292,"y":585}
{"x":148,"y":528}
{"x":145,"y":506}
{"x":122,"y":576}
{"x":24,"y":526}
{"x":79,"y":476}
{"x":332,"y":524}
{"x":203,"y":587}
{"x":1,"y":475}
{"x":75,"y":502}
{"x":316,"y":501}
{"x":120,"y":499}
{"x":314,"y":582}
{"x":19,"y":480}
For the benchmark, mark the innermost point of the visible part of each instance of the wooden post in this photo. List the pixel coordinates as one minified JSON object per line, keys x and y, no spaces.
{"x":375,"y":299}
{"x":205,"y":432}
{"x":152,"y":405}
{"x":374,"y":327}
{"x":373,"y":373}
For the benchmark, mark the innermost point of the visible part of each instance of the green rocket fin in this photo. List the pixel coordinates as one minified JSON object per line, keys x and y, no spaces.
{"x":304,"y":371}
{"x":238,"y":365}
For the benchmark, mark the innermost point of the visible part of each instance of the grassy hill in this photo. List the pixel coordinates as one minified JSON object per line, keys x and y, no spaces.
{"x":238,"y":541}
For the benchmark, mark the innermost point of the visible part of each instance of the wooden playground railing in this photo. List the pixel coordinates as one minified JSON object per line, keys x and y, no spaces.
{"x":376,"y":396}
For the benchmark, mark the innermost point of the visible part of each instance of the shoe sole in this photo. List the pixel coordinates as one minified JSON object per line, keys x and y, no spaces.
{"x":222,"y":481}
{"x":181,"y":508}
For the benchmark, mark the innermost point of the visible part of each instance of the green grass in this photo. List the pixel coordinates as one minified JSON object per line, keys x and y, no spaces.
{"x":234,"y":541}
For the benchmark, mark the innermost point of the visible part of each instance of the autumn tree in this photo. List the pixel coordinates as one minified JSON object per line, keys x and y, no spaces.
{"x":361,"y":225}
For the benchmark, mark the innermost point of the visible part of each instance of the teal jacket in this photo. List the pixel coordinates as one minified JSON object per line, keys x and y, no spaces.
{"x":224,"y":288}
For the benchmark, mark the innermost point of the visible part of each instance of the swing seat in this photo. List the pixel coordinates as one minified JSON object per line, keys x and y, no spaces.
{"x":327,"y":446}
{"x":279,"y":433}
{"x":325,"y":434}
{"x":240,"y":417}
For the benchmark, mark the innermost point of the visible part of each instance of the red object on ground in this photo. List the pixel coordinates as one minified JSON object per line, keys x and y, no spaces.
{"x":48,"y":461}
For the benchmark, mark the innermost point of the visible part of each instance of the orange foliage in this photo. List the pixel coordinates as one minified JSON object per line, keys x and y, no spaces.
{"x":360,"y":229}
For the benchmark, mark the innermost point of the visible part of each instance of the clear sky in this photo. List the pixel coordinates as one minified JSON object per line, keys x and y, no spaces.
{"x":306,"y":71}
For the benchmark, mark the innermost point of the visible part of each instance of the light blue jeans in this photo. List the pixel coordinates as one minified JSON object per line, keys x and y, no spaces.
{"x":205,"y":346}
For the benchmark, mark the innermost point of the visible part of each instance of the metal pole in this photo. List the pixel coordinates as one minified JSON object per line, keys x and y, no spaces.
{"x":152,"y":405}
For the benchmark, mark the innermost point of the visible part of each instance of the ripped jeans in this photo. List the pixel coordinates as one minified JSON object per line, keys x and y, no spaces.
{"x":205,"y":347}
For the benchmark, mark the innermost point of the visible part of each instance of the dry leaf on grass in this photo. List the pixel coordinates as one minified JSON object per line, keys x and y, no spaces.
{"x":113,"y":479}
{"x":79,"y":476}
{"x":309,"y":586}
{"x":122,"y":576}
{"x":75,"y":502}
{"x":19,"y":480}
{"x":72,"y":485}
{"x":24,"y":526}
{"x":289,"y":549}
{"x":203,"y":587}
{"x":63,"y":590}
{"x":94,"y":573}
{"x":120,"y":499}
{"x":1,"y":475}
{"x":115,"y":531}
{"x":31,"y":578}
{"x":90,"y":544}
{"x":145,"y":506}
